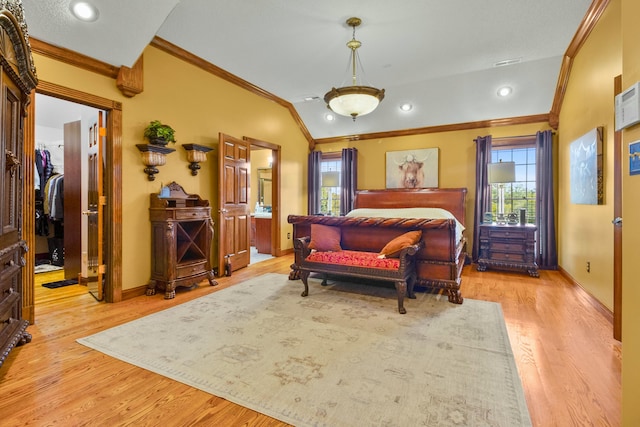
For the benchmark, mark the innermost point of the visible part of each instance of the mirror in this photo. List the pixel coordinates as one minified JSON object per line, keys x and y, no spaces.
{"x":264,"y":187}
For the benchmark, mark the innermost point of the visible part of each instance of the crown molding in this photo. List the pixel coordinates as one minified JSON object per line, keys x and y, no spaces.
{"x":510,"y":121}
{"x":73,"y":58}
{"x":184,"y":55}
{"x":589,"y":22}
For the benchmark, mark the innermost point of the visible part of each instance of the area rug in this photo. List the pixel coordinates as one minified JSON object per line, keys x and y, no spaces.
{"x":342,"y":356}
{"x":60,"y":283}
{"x":45,"y":268}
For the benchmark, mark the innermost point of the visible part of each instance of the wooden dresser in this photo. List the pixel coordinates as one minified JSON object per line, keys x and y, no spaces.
{"x":17,"y":79}
{"x":181,"y":238}
{"x":509,"y":247}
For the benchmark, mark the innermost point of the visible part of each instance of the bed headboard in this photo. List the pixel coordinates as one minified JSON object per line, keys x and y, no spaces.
{"x":451,"y":199}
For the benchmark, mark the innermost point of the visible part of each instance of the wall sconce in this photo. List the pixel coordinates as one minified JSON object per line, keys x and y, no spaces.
{"x":196,"y":154}
{"x":152,"y":156}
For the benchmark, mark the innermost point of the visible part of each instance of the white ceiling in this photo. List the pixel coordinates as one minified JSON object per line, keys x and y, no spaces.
{"x":438,"y":55}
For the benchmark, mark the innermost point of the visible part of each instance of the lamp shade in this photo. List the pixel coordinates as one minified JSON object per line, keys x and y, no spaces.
{"x":501,"y":172}
{"x":330,"y":179}
{"x":354,"y":101}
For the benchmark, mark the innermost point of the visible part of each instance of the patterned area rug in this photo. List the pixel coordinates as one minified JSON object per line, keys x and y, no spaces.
{"x":342,"y":356}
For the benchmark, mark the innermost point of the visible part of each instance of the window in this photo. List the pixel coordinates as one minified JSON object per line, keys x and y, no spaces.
{"x":522,"y":192}
{"x":330,"y":186}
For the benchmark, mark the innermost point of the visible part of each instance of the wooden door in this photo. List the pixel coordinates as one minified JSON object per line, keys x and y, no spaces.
{"x":233,"y":202}
{"x":617,"y":225}
{"x":72,"y":200}
{"x":96,"y":202}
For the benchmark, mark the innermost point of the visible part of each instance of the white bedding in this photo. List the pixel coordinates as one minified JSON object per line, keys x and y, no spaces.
{"x":427,"y":213}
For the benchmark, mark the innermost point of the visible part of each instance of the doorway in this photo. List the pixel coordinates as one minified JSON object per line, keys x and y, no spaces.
{"x":112,"y":187}
{"x":261,"y":204}
{"x":265,"y":200}
{"x":64,"y":133}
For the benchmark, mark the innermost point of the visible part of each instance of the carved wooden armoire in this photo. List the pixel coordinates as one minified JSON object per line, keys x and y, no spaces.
{"x":17,"y":80}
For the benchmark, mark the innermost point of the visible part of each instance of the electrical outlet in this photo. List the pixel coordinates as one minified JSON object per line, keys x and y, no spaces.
{"x":288,"y":235}
{"x":588,"y":266}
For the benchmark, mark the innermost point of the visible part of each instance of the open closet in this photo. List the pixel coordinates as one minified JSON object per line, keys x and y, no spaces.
{"x":66,"y":139}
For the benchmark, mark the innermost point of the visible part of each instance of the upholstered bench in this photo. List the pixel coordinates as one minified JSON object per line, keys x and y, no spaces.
{"x":394,"y":262}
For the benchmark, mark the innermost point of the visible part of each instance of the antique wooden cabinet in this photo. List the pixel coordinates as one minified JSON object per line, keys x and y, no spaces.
{"x":510,"y":247}
{"x":17,"y":79}
{"x":181,"y":238}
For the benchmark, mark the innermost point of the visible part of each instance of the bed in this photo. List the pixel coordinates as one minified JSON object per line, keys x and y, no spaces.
{"x":379,"y":215}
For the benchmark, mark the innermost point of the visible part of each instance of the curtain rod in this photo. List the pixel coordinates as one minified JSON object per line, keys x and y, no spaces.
{"x":513,"y":137}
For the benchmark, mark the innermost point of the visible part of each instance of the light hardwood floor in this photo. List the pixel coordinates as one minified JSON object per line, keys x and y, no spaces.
{"x":568,"y":361}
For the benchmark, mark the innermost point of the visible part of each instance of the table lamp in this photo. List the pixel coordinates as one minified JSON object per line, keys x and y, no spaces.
{"x":501,"y":173}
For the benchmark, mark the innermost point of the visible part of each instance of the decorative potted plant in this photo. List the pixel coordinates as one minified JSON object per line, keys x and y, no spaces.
{"x":159,"y":134}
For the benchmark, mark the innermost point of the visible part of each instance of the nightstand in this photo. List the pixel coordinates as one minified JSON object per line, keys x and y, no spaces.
{"x":508,"y":247}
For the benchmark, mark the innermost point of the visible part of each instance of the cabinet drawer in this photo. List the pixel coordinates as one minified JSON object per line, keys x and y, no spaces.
{"x":507,"y":246}
{"x":9,"y":261}
{"x":189,"y":269}
{"x":191,"y":214}
{"x":501,"y":256}
{"x":507,"y":234}
{"x":7,"y":287}
{"x":9,"y":307}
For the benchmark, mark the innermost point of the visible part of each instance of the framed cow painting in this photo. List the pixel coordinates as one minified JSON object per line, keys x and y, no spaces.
{"x":412,"y":168}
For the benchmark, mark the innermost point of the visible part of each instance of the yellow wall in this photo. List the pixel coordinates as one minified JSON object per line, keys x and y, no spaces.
{"x":588,"y":103}
{"x":456,"y":157}
{"x":631,"y":228}
{"x":198,"y":106}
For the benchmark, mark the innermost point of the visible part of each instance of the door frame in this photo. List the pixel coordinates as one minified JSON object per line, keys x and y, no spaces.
{"x":617,"y":229}
{"x":113,"y":190}
{"x":276,"y":152}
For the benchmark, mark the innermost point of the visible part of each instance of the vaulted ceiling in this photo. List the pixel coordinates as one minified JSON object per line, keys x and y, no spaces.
{"x":443,"y":57}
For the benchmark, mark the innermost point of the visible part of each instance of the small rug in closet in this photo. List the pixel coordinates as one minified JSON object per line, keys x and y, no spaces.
{"x":60,"y":283}
{"x":45,"y":268}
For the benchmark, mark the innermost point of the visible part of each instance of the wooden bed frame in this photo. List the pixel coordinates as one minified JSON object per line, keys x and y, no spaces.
{"x":439,"y":264}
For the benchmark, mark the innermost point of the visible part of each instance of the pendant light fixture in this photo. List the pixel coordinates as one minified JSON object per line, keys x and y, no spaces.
{"x":355,"y":100}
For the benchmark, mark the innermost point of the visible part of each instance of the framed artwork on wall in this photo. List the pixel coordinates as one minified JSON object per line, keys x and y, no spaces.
{"x":586,"y":169}
{"x":412,"y":168}
{"x":634,"y":158}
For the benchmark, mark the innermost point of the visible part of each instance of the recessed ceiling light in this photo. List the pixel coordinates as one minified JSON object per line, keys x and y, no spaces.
{"x":406,"y":107}
{"x":84,"y":10}
{"x":504,"y":91}
{"x":330,"y":117}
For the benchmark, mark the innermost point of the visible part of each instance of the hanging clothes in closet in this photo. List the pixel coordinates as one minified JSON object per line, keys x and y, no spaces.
{"x":43,"y":171}
{"x":54,"y":210}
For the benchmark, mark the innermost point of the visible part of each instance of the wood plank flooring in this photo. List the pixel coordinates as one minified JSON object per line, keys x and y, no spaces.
{"x":568,"y":361}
